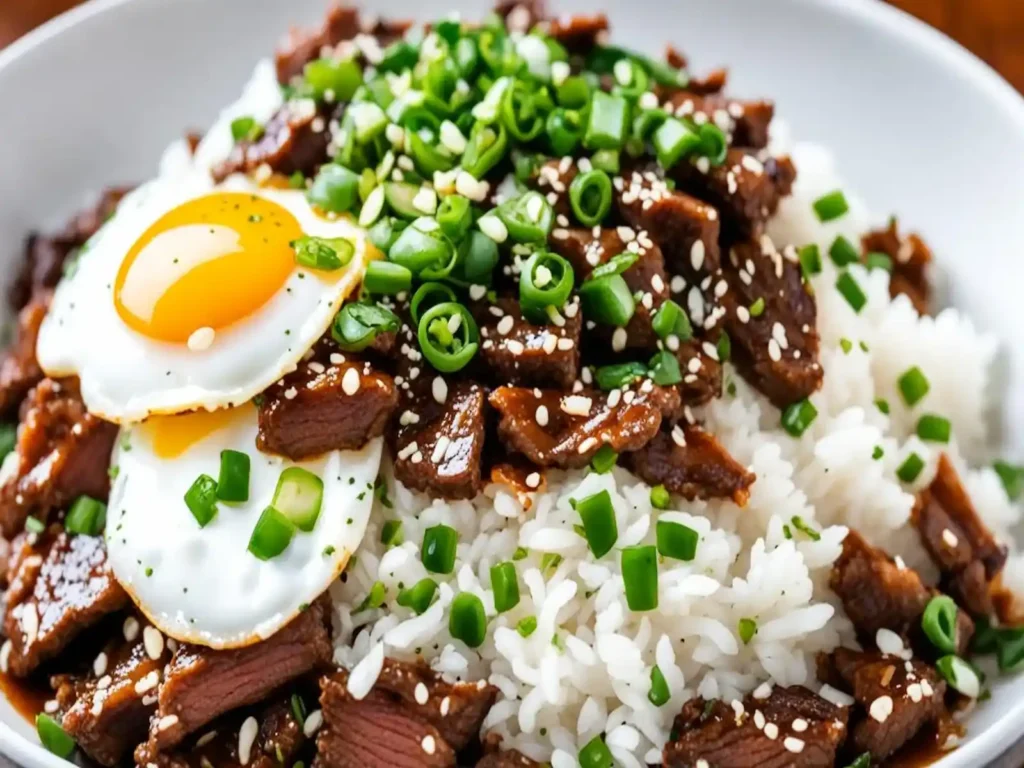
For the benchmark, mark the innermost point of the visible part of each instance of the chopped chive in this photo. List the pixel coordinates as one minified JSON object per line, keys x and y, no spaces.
{"x":877,"y":453}
{"x":843,"y":252}
{"x":419,"y":596}
{"x":876,"y":260}
{"x":757,"y":308}
{"x":201,"y":499}
{"x":1012,"y":477}
{"x":527,"y":626}
{"x":851,"y":291}
{"x":505,"y":585}
{"x":640,"y":576}
{"x":863,"y":761}
{"x":831,"y":206}
{"x":676,"y":540}
{"x":374,"y":598}
{"x":233,"y":482}
{"x":438,"y":549}
{"x":659,"y":694}
{"x":1010,"y":650}
{"x":797,"y":417}
{"x":600,"y":528}
{"x":87,"y":516}
{"x":882,"y":405}
{"x":934,"y":428}
{"x":467,"y":621}
{"x":787,"y":532}
{"x":910,"y":468}
{"x":298,"y":708}
{"x":913,"y":385}
{"x":391,"y":534}
{"x":805,"y":528}
{"x":660,"y":497}
{"x":747,"y":629}
{"x":810,"y":260}
{"x":604,"y":459}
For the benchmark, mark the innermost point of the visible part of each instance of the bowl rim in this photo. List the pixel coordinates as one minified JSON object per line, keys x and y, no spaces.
{"x":987,"y":745}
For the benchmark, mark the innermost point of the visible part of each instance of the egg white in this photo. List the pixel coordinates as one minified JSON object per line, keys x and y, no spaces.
{"x":202,"y":585}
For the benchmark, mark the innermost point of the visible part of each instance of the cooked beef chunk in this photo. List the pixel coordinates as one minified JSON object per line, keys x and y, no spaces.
{"x":518,"y":352}
{"x":200,"y":684}
{"x":702,"y":373}
{"x":713,"y":82}
{"x":745,"y":123}
{"x":555,"y":176}
{"x":899,"y":697}
{"x":394,"y":714}
{"x":294,"y":140}
{"x":278,"y":740}
{"x":19,"y":370}
{"x":43,"y":265}
{"x":776,"y":351}
{"x":438,"y":446}
{"x":301,"y":46}
{"x":555,"y":429}
{"x":692,"y":463}
{"x":509,"y":759}
{"x":685,"y":228}
{"x":63,"y":452}
{"x":745,"y":190}
{"x":760,"y":734}
{"x":911,"y":259}
{"x":579,"y":34}
{"x":521,"y":15}
{"x":107,"y":711}
{"x":325,"y":406}
{"x":958,"y":541}
{"x":60,"y":585}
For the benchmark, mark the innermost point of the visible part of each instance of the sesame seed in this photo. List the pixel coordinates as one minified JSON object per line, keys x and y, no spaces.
{"x":168,"y":721}
{"x":439,"y":389}
{"x":350,"y":382}
{"x":147,"y":683}
{"x":421,"y":694}
{"x":446,"y":702}
{"x":881,"y":708}
{"x":576,"y":405}
{"x":515,"y":347}
{"x":246,"y":737}
{"x":440,"y":448}
{"x":153,"y":642}
{"x":477,"y":292}
{"x":587,"y":444}
{"x":428,"y":744}
{"x":763,"y":691}
{"x":799,"y":725}
{"x":505,"y":325}
{"x":774,"y":351}
{"x":533,"y":479}
{"x":771,"y":730}
{"x":130,"y":629}
{"x":949,"y":538}
{"x":889,"y":642}
{"x":51,"y":706}
{"x":337,"y":358}
{"x":565,"y":344}
{"x":619,"y":339}
{"x":793,"y":744}
{"x":290,"y":393}
{"x":542,"y":415}
{"x":914,"y":692}
{"x":697,"y":254}
{"x":678,"y":437}
{"x":99,"y":664}
{"x":313,"y":722}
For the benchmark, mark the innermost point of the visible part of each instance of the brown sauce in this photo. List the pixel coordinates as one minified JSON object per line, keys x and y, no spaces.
{"x":27,"y":697}
{"x":926,"y":748}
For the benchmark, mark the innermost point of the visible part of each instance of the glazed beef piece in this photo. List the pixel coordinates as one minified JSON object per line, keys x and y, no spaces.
{"x":19,"y":370}
{"x":107,"y":711}
{"x":579,"y":34}
{"x":200,"y":684}
{"x":332,"y":402}
{"x":516,"y":351}
{"x":411,"y":717}
{"x":958,"y":541}
{"x":554,"y":178}
{"x":691,"y":462}
{"x":557,"y":429}
{"x":898,"y":698}
{"x":911,"y":259}
{"x":63,"y":452}
{"x":702,"y":372}
{"x":760,"y":733}
{"x":60,"y":585}
{"x":509,"y":759}
{"x":776,"y":351}
{"x":745,"y":123}
{"x":294,"y":140}
{"x":272,"y":738}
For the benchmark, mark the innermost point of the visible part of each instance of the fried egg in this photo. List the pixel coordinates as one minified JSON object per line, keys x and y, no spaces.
{"x":191,"y":297}
{"x":202,"y":584}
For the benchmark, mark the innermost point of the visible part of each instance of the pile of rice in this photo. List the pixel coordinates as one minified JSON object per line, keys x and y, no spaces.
{"x":587,"y":667}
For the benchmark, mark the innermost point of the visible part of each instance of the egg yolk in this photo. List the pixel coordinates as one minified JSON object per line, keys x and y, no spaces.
{"x":171,"y":436}
{"x":209,"y":262}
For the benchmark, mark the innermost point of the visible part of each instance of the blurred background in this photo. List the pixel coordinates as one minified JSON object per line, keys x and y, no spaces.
{"x":992,"y":29}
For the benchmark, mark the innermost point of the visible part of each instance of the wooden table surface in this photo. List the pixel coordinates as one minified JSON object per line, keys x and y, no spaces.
{"x":992,"y":29}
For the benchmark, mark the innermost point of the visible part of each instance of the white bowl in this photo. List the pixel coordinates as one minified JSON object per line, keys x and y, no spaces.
{"x":918,"y":125}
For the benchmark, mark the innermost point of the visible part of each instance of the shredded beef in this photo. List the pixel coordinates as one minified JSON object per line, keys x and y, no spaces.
{"x":911,"y":259}
{"x":692,"y":463}
{"x":59,"y":586}
{"x":200,"y":684}
{"x":63,"y":452}
{"x":19,"y":370}
{"x":722,"y":736}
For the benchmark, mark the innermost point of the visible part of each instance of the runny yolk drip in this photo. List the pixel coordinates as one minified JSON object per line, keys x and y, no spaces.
{"x":210,"y":262}
{"x":171,"y":436}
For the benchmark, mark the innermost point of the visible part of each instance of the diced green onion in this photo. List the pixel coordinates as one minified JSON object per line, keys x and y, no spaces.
{"x":357,"y":325}
{"x":8,"y":439}
{"x":527,"y":626}
{"x":724,"y":347}
{"x":664,"y":369}
{"x":939,"y":623}
{"x":34,"y":525}
{"x":934,"y":428}
{"x":660,"y":497}
{"x":521,"y":553}
{"x":399,"y":196}
{"x":418,"y":597}
{"x":233,"y":482}
{"x":606,"y":126}
{"x":595,"y":754}
{"x":599,"y":526}
{"x":87,"y":516}
{"x":674,"y":140}
{"x":429,"y":295}
{"x":335,"y":189}
{"x":876,"y":260}
{"x":616,"y":265}
{"x":913,"y":385}
{"x":1012,"y":477}
{"x":448,"y":336}
{"x":387,"y":278}
{"x":438,"y":549}
{"x":877,"y":452}
{"x":564,"y":130}
{"x":640,"y":575}
{"x":485,"y":149}
{"x":391,"y":534}
{"x":272,"y":534}
{"x":810,"y":260}
{"x":831,"y":206}
{"x":910,"y":468}
{"x":797,"y":417}
{"x":846,"y":345}
{"x":805,"y":528}
{"x":298,"y":707}
{"x":843,"y":252}
{"x":53,"y":736}
{"x":1010,"y":650}
{"x":609,"y":377}
{"x":676,"y":540}
{"x":862,"y":761}
{"x":672,"y":320}
{"x":385,"y":232}
{"x":607,"y":300}
{"x":546,"y":281}
{"x":590,"y":195}
{"x":455,"y":217}
{"x":757,"y":308}
{"x":374,"y":598}
{"x":341,"y":78}
{"x":400,"y":55}
{"x":549,"y":562}
{"x":201,"y":499}
{"x":429,"y":254}
{"x":851,"y":291}
{"x":713,"y":143}
{"x":604,"y":459}
{"x":528,"y":217}
{"x":245,"y":129}
{"x":574,"y":93}
{"x":747,"y":629}
{"x":606,"y":160}
{"x":960,"y":675}
{"x":299,"y":496}
{"x":323,"y":253}
{"x":520,"y":112}
{"x":882,"y":405}
{"x":659,"y":694}
{"x":467,"y":621}
{"x":505,"y":585}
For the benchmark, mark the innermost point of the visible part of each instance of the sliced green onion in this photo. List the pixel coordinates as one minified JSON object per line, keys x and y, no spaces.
{"x":357,"y":325}
{"x":810,"y":260}
{"x":609,"y":377}
{"x":664,"y":368}
{"x":831,"y":206}
{"x":34,"y":525}
{"x":298,"y":707}
{"x":385,"y":232}
{"x":805,"y":528}
{"x":757,"y":308}
{"x":527,"y":626}
{"x":438,"y":549}
{"x":549,"y":562}
{"x":455,"y":217}
{"x":595,"y":754}
{"x":520,"y":113}
{"x":913,"y":385}
{"x":660,"y":498}
{"x":616,"y":265}
{"x":851,"y":291}
{"x":658,"y":694}
{"x":672,"y":320}
{"x":484,"y":150}
{"x":272,"y":534}
{"x":323,"y":253}
{"x":429,"y":295}
{"x":606,"y":125}
{"x":391,"y":534}
{"x":505,"y":585}
{"x":604,"y":459}
{"x":419,"y":596}
{"x":245,"y":129}
{"x":713,"y":143}
{"x":843,"y":252}
{"x":87,"y":516}
{"x":863,"y":761}
{"x":424,"y":250}
{"x":939,"y":623}
{"x":574,"y":92}
{"x":599,"y":526}
{"x":340,"y":78}
{"x":1012,"y":477}
{"x":606,"y":160}
{"x":724,"y":347}
{"x":934,"y":428}
{"x":960,"y":675}
{"x":607,"y":300}
{"x":478,"y":256}
{"x":386,"y":278}
{"x":882,"y":405}
{"x":1010,"y":650}
{"x":797,"y":417}
{"x":448,"y":336}
{"x":335,"y":189}
{"x":910,"y":468}
{"x":877,"y":453}
{"x":398,"y":56}
{"x":53,"y":736}
{"x":528,"y":217}
{"x":747,"y":629}
{"x":590,"y":195}
{"x":467,"y":621}
{"x":299,"y":496}
{"x":427,"y":158}
{"x":546,"y":281}
{"x":564,"y":130}
{"x":673,"y":141}
{"x":640,"y":575}
{"x":876,"y":260}
{"x":201,"y":499}
{"x":846,"y":345}
{"x":233,"y":482}
{"x":374,"y":598}
{"x":399,"y":196}
{"x":676,"y":540}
